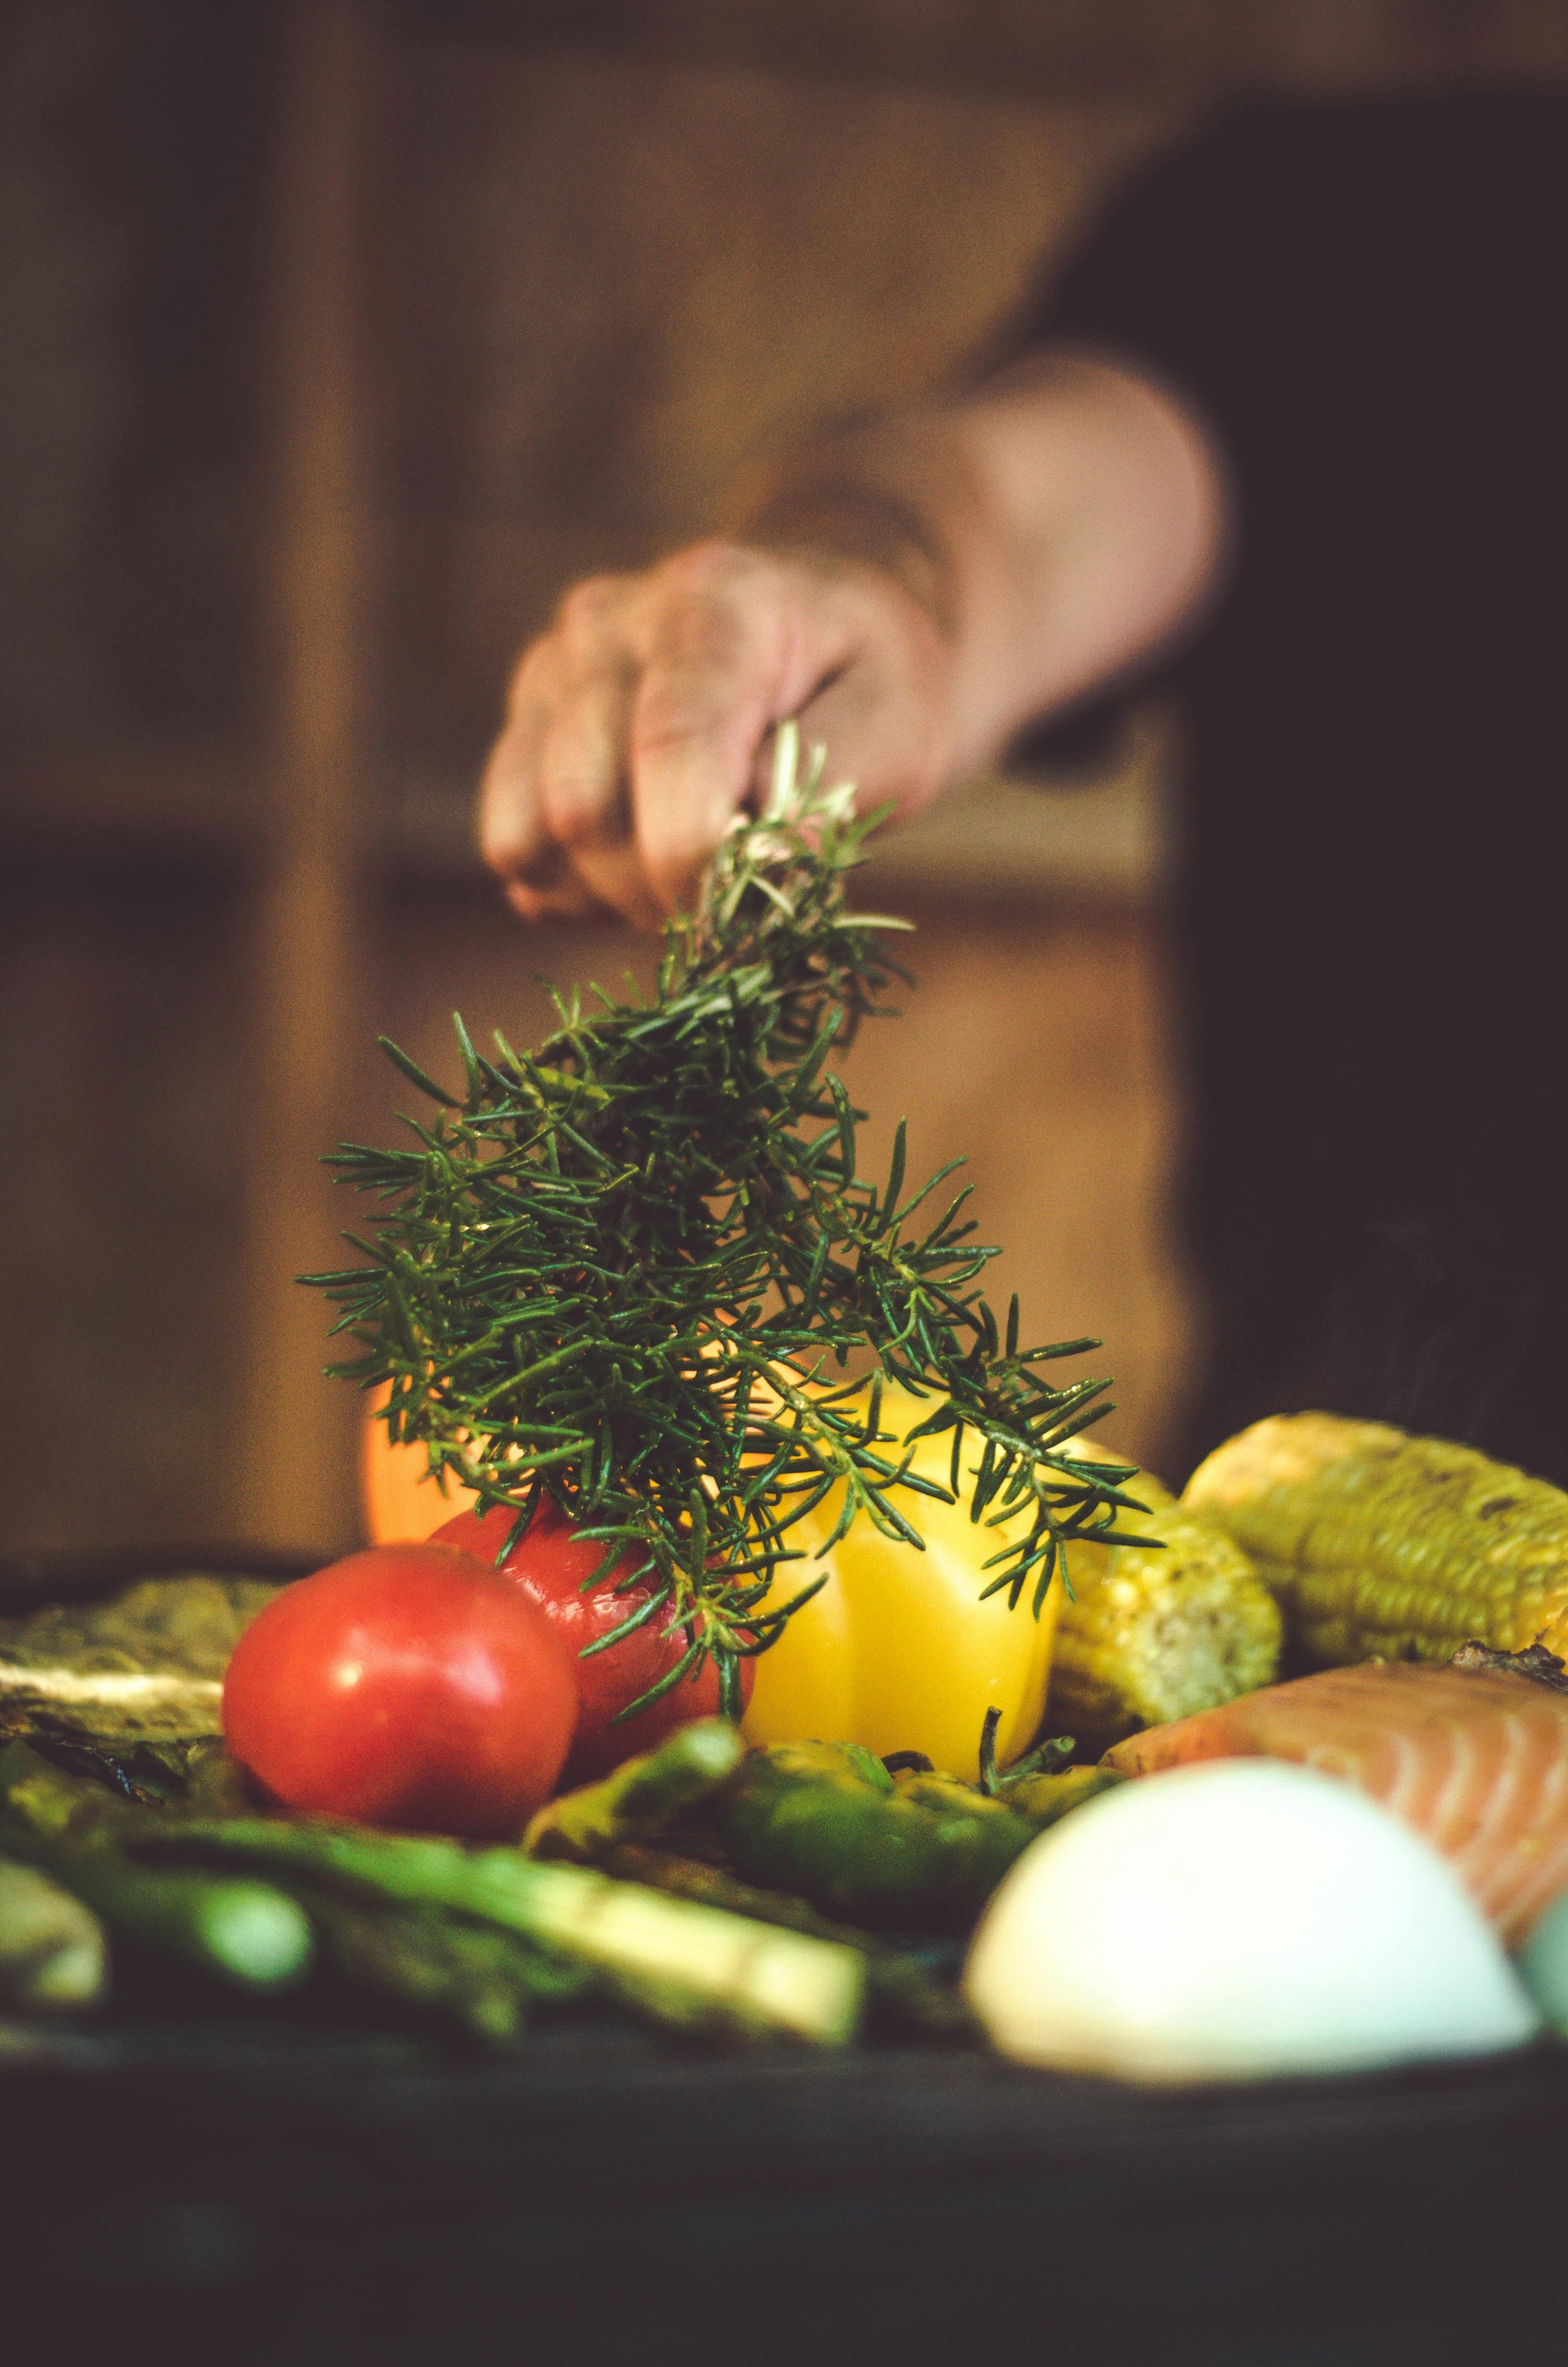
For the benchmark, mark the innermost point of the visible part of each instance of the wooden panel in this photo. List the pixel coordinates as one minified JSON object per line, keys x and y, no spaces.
{"x":121,"y":1022}
{"x":1035,"y":1046}
{"x":290,"y":1451}
{"x":131,"y":161}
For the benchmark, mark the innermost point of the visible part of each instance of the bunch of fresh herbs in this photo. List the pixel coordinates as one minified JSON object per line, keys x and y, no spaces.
{"x":640,"y":1272}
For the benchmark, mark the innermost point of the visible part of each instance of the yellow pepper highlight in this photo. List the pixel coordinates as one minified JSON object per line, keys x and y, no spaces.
{"x":897,"y":1651}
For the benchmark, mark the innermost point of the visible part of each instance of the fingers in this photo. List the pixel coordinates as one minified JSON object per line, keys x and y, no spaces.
{"x":586,"y":793}
{"x":638,"y":724}
{"x":885,"y":719}
{"x":744,"y":642}
{"x":708,"y":695}
{"x":630,"y":740}
{"x":555,"y":815}
{"x":512,"y":831}
{"x":551,"y":890}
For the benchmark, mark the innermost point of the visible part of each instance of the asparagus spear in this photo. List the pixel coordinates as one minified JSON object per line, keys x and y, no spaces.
{"x":901,"y":1988}
{"x":52,"y":1957}
{"x":248,"y":1933}
{"x":691,"y":1966}
{"x":608,"y":1824}
{"x":485,"y":1980}
{"x":641,"y":1797}
{"x":481,"y":1935}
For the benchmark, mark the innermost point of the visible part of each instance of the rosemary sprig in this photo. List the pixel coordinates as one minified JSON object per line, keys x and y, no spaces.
{"x":629,"y":1271}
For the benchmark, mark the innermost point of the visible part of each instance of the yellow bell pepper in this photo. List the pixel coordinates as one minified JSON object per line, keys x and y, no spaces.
{"x":897,"y":1651}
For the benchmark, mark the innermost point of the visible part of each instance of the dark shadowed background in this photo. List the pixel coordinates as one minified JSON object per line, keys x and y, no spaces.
{"x":334,"y":342}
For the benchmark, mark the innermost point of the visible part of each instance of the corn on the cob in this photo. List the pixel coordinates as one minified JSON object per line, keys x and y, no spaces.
{"x":1158,"y":1631}
{"x":1376,"y":1543}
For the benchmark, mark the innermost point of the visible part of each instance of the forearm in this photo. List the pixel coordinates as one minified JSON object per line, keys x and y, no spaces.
{"x":1056,"y":526}
{"x":913,"y":593}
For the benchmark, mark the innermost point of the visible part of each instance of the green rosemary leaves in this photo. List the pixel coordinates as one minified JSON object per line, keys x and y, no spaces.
{"x":630,"y":1270}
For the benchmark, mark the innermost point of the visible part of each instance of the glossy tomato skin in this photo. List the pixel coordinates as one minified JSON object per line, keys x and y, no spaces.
{"x":549,"y":1565}
{"x":404,"y":1686}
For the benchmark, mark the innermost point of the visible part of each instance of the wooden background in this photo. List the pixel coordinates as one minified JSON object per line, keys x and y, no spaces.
{"x":334,"y":343}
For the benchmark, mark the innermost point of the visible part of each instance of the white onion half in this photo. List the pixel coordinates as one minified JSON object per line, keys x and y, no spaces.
{"x":1241,"y":1920}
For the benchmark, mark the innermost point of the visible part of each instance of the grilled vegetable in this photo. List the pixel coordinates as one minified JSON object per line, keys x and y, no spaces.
{"x":479,"y":1934}
{"x":689,"y":1966}
{"x":147,"y":1663}
{"x":247,"y":1933}
{"x":243,"y":1931}
{"x":1159,"y":1630}
{"x":642,"y":1797}
{"x":485,"y":1980}
{"x":53,"y":1958}
{"x":899,"y":1988}
{"x":915,"y":1853}
{"x":904,"y":1646}
{"x":1379,"y":1544}
{"x":1037,"y":1787}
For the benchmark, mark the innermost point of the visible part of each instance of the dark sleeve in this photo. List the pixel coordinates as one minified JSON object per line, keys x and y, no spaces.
{"x":1150,"y":280}
{"x":1307,"y":270}
{"x":1155,"y":283}
{"x":1345,"y":294}
{"x":1236,"y":258}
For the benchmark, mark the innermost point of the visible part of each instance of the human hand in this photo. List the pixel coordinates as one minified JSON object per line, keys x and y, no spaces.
{"x":639,"y":723}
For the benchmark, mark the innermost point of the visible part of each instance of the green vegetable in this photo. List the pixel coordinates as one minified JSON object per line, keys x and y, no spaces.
{"x":916,"y":1851}
{"x":1037,"y":1787}
{"x":901,"y":1990}
{"x":687,"y":1966}
{"x":52,"y":1957}
{"x":246,"y":1932}
{"x":485,"y":1980}
{"x":627,"y":1265}
{"x":216,"y":1785}
{"x":1041,"y":1798}
{"x":146,"y":1663}
{"x":480,"y":1934}
{"x":641,"y":1797}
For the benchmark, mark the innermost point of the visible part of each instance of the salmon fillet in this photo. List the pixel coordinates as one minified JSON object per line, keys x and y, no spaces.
{"x":1476,"y":1763}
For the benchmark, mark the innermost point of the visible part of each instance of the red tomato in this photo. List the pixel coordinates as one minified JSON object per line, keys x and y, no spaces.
{"x":404,"y":1686}
{"x":549,"y":1565}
